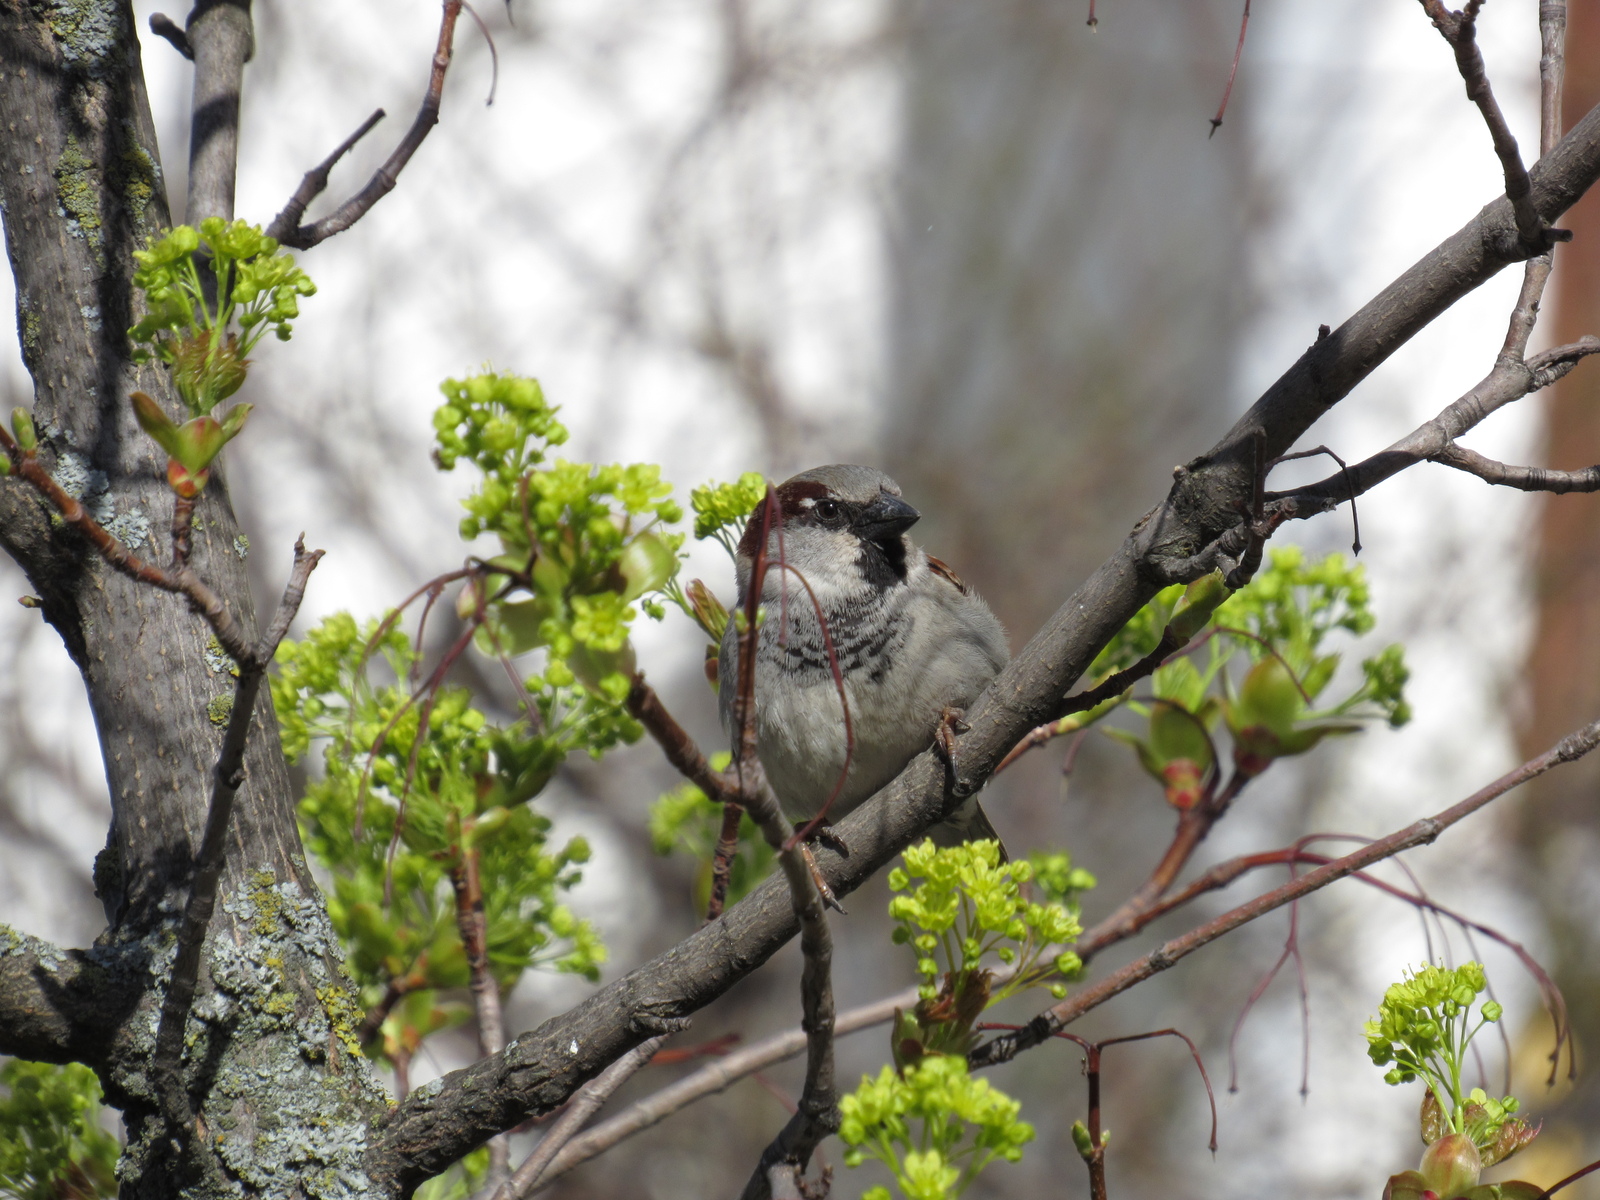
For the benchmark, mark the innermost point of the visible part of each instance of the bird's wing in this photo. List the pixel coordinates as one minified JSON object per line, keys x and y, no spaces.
{"x":941,"y":568}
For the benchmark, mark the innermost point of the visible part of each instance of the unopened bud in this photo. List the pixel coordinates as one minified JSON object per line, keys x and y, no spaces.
{"x":22,"y":428}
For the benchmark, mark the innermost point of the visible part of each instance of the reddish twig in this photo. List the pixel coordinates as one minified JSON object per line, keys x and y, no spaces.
{"x":1094,"y":1157}
{"x":1002,"y":1049}
{"x":1233,"y":71}
{"x":472,"y":925}
{"x":818,"y":1112}
{"x":1570,"y":1179}
{"x":302,"y":237}
{"x":722,"y":858}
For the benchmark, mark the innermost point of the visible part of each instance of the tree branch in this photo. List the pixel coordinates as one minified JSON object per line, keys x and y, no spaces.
{"x":60,"y":1006}
{"x":220,"y":40}
{"x":302,"y":237}
{"x":714,"y":1077}
{"x":539,"y":1071}
{"x":583,"y":1106}
{"x":1460,"y":30}
{"x":645,"y":706}
{"x":1052,"y":1020}
{"x":315,"y":181}
{"x":1525,"y":479}
{"x":1510,"y":380}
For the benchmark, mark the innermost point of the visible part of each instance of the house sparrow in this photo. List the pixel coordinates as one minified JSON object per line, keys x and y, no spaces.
{"x":913,"y":642}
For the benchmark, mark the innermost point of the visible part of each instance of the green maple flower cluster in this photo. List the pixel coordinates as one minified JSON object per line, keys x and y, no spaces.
{"x":958,"y":906}
{"x":579,"y":543}
{"x":964,"y":1124}
{"x":968,"y":904}
{"x":51,"y":1140}
{"x":721,"y":509}
{"x":1424,"y":1027}
{"x":1273,"y":706}
{"x":257,"y":289}
{"x":457,"y":783}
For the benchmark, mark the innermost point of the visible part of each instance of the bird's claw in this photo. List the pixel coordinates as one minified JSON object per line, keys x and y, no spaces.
{"x":823,"y":890}
{"x":951,"y":725}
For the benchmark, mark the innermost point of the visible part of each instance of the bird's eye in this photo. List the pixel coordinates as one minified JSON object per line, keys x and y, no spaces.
{"x":827,"y":510}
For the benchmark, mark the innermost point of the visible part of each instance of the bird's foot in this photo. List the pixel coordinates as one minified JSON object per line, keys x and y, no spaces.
{"x":951,"y":725}
{"x":823,"y":890}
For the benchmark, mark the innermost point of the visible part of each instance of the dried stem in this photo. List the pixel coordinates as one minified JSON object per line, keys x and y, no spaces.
{"x":1052,"y":1020}
{"x":303,"y":237}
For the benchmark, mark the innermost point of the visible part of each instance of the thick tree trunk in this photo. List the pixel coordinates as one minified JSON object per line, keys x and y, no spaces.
{"x":268,"y":1045}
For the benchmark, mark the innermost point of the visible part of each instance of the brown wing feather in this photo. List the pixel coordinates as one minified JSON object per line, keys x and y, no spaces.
{"x":940,"y":567}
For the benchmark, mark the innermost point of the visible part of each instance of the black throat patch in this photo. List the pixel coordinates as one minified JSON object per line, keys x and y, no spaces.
{"x":884,"y":563}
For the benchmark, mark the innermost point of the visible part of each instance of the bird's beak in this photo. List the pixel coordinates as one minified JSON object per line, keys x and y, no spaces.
{"x":886,"y":517}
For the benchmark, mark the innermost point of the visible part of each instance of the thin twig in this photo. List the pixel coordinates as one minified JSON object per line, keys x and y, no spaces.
{"x":303,"y":237}
{"x":577,"y":1113}
{"x":163,"y":26}
{"x":1052,"y":1020}
{"x":817,"y":1115}
{"x":645,"y":707}
{"x":1524,"y":479}
{"x":226,"y":777}
{"x":722,"y":858}
{"x":715,"y":1077}
{"x":1112,"y":685}
{"x":1460,"y":30}
{"x":1233,"y":71}
{"x":315,"y":181}
{"x":183,"y":582}
{"x":1507,"y":382}
{"x":473,"y":927}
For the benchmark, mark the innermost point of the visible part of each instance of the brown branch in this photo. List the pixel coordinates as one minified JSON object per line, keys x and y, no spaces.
{"x":1509,"y":381}
{"x":712,"y":1078}
{"x":722,"y":858}
{"x":226,"y":778}
{"x":303,"y":237}
{"x":1524,"y":479}
{"x":1112,"y":685}
{"x":645,"y":707}
{"x":315,"y":181}
{"x":1460,"y":30}
{"x":473,"y":928}
{"x":584,"y":1105}
{"x":1052,"y":1020}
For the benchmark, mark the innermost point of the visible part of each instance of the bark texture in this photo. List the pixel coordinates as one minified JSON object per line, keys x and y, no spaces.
{"x":81,"y":186}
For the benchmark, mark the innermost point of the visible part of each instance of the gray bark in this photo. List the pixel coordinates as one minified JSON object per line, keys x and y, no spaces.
{"x":81,"y":186}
